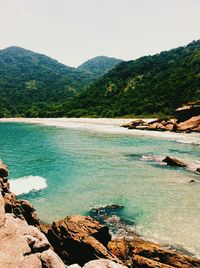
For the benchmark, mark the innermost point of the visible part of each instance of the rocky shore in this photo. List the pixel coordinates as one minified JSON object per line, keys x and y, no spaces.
{"x":187,"y":120}
{"x":76,"y":241}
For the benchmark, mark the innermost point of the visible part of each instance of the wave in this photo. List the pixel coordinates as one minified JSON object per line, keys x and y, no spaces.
{"x":27,"y":184}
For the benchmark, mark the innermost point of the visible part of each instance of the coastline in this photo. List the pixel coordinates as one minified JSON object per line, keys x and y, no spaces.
{"x":107,"y":126}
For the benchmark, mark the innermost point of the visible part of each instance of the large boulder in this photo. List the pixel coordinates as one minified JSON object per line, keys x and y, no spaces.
{"x":187,"y":111}
{"x":24,"y":246}
{"x":173,"y":162}
{"x":79,"y":239}
{"x":192,"y":124}
{"x":140,"y":253}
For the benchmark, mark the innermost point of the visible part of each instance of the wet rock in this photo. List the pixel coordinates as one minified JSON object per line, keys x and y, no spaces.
{"x":20,"y":208}
{"x":79,"y":239}
{"x":111,"y":216}
{"x":101,"y":213}
{"x":174,"y":162}
{"x":102,"y":263}
{"x":140,"y":253}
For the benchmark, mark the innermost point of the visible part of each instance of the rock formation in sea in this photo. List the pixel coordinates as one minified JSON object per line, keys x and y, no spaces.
{"x":75,"y":242}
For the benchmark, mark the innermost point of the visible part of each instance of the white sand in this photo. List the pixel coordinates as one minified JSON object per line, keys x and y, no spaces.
{"x":107,"y":125}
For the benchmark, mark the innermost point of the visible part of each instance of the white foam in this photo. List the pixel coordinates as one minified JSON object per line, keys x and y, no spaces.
{"x":27,"y":184}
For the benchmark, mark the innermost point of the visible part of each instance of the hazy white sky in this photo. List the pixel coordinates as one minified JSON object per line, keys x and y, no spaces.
{"x":73,"y":31}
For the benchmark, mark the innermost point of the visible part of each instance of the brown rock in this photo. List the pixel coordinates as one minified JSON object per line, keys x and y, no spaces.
{"x":174,"y":162}
{"x":79,"y":239}
{"x":3,"y":170}
{"x":198,"y":170}
{"x":190,"y":124}
{"x":140,"y":253}
{"x":51,"y":260}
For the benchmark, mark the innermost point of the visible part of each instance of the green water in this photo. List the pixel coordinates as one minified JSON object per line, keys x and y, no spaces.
{"x":84,"y":169}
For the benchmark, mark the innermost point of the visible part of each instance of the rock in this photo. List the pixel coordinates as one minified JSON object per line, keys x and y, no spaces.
{"x":187,"y":111}
{"x":3,"y":170}
{"x":198,"y":170}
{"x":192,"y":181}
{"x":143,"y":127}
{"x":111,"y":216}
{"x":74,"y":266}
{"x":51,"y":260}
{"x":79,"y":239}
{"x":103,"y":263}
{"x":169,"y":127}
{"x":21,"y":208}
{"x":133,"y":124}
{"x":190,"y":125}
{"x":174,"y":162}
{"x":140,"y":253}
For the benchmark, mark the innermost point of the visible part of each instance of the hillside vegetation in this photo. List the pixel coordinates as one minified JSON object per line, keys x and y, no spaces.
{"x":100,"y":65}
{"x":149,"y":85}
{"x":33,"y":85}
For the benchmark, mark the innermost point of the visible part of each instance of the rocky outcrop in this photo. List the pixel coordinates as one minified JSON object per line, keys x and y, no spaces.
{"x":79,"y":239}
{"x":173,"y":162}
{"x":159,"y":125}
{"x":187,"y":111}
{"x":22,"y":244}
{"x":190,"y":125}
{"x":140,"y":253}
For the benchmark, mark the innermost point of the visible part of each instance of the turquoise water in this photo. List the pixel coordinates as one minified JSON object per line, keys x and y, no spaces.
{"x":86,"y":169}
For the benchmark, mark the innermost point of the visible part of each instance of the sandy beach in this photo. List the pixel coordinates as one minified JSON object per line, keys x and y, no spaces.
{"x":107,"y":125}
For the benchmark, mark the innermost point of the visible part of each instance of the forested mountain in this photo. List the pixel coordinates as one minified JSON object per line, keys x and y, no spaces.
{"x":33,"y":84}
{"x":149,"y":85}
{"x":100,"y":65}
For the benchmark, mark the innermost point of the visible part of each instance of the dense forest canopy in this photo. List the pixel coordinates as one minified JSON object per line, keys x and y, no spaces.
{"x":34,"y":85}
{"x":147,"y":86}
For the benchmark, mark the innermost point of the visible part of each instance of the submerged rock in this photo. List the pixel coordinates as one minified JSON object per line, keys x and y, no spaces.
{"x":174,"y":162}
{"x":111,"y":216}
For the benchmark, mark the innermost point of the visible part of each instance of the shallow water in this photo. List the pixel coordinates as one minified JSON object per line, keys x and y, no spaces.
{"x":84,"y":169}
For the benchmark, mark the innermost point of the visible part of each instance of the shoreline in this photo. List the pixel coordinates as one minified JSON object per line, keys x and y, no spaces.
{"x":107,"y":126}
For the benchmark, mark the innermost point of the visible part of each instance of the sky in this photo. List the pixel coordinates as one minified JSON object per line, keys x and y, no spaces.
{"x":73,"y":31}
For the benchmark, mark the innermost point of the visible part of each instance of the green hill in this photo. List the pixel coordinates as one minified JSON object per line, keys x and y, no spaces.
{"x":32,"y":84}
{"x":100,"y":65}
{"x":149,"y":85}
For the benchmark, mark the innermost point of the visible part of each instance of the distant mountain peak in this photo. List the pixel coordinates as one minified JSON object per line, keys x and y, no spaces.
{"x":99,"y":65}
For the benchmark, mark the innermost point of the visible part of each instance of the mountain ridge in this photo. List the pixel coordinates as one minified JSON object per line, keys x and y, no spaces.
{"x":151,"y":85}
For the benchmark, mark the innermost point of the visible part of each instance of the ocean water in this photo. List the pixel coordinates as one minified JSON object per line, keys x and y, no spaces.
{"x":64,"y":171}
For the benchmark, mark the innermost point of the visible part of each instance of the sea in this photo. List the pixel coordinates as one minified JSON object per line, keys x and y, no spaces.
{"x":67,"y":171}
